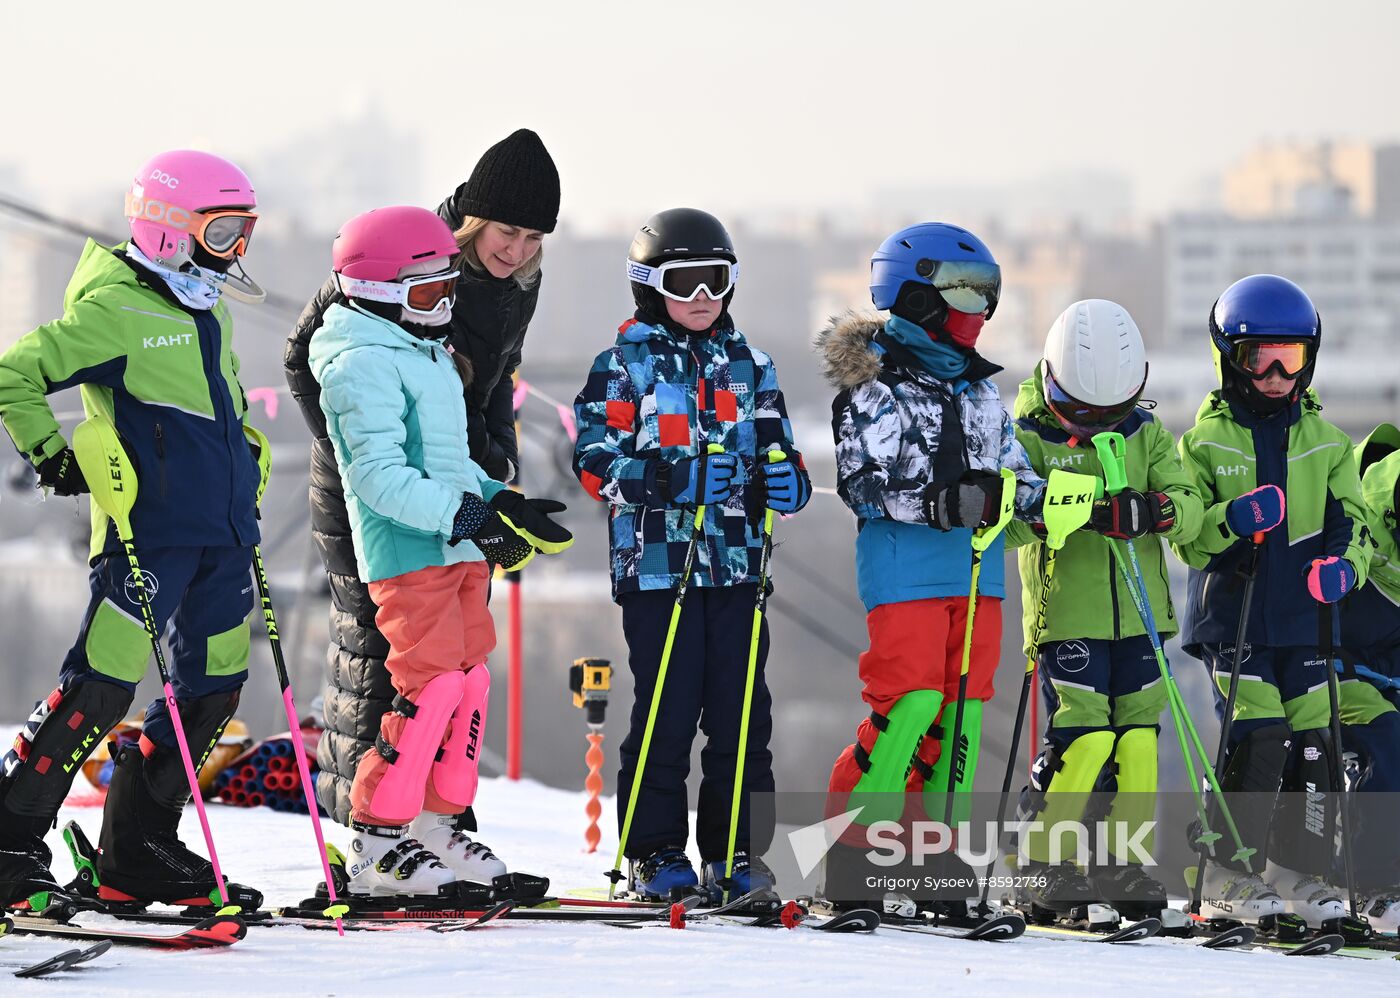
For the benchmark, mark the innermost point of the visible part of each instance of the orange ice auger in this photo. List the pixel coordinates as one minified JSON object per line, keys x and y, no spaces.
{"x":589,"y":681}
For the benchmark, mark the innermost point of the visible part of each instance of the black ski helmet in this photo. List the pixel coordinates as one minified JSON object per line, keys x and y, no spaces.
{"x":678,"y":234}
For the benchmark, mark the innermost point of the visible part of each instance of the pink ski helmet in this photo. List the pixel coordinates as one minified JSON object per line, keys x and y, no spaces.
{"x":372,"y":249}
{"x":170,"y":204}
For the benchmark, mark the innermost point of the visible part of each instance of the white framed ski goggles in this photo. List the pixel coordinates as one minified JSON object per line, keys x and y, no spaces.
{"x":419,"y":295}
{"x":682,"y":280}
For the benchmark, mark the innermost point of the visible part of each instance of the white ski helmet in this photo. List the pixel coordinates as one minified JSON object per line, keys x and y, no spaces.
{"x":1094,"y":367}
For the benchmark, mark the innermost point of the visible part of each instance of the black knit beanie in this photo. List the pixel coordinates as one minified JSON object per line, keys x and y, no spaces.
{"x":514,"y":182}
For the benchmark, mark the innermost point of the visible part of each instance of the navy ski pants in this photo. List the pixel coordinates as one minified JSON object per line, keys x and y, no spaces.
{"x":705,"y":687}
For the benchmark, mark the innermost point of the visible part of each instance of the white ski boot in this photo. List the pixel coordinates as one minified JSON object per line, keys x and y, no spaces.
{"x":1243,"y":897}
{"x":467,"y":859}
{"x":387,"y":862}
{"x":1381,"y":909}
{"x":1306,"y":895}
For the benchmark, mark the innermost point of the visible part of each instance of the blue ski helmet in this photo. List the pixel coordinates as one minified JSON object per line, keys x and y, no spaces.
{"x":1263,"y":307}
{"x":922,"y":271}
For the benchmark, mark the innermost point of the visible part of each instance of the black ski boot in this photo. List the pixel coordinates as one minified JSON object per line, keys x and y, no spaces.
{"x":844,"y":884}
{"x":140,"y":856}
{"x":25,"y":878}
{"x":1129,"y":890}
{"x":1050,"y":893}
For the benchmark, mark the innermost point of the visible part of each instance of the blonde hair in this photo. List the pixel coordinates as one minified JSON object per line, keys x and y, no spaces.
{"x":527,"y":275}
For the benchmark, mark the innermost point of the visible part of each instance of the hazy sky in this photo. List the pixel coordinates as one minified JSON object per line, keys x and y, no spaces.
{"x":727,"y":105}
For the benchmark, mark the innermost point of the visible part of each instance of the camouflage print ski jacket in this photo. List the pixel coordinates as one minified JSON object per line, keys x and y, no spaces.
{"x":888,"y":421}
{"x":654,"y":398}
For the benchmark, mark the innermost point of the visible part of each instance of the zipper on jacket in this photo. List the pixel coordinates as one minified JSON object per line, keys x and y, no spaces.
{"x":1113,"y":593}
{"x":160,"y":457}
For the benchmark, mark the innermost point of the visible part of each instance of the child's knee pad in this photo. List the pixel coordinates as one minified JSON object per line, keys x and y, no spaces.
{"x":455,"y":771}
{"x":399,"y":794}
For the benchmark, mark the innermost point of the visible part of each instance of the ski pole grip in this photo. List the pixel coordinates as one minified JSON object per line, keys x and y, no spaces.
{"x":775,"y":455}
{"x":1113,"y":456}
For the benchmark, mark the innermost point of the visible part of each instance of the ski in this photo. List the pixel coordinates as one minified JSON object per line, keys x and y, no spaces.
{"x":999,"y":928}
{"x":1132,"y":932}
{"x":66,"y":960}
{"x":1317,"y":946}
{"x":212,"y":933}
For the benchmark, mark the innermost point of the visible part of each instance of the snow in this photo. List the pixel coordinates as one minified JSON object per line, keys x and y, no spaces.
{"x":540,"y":830}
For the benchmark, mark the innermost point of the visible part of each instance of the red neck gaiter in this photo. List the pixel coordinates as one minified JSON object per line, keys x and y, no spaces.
{"x":963,"y":327}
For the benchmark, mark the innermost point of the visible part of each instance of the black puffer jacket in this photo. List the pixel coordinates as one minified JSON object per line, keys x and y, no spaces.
{"x":488,"y":325}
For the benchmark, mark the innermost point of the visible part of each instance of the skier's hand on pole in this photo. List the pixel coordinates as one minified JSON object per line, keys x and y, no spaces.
{"x":1256,"y":512}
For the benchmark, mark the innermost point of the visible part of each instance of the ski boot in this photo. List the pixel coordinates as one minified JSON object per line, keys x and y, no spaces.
{"x":1381,"y":908}
{"x":26,"y":882}
{"x":445,"y":835}
{"x":386,"y":862}
{"x":1130,"y":890}
{"x":845,"y":871}
{"x":1318,"y":904}
{"x":665,"y":875}
{"x":1232,"y":896}
{"x":749,"y":874}
{"x":140,"y":856}
{"x":1049,"y":893}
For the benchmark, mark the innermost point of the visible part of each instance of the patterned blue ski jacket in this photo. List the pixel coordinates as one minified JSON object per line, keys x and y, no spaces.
{"x":654,"y":398}
{"x":891,"y":441}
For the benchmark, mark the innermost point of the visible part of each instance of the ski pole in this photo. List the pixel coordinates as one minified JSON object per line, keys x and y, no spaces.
{"x":1112,"y":453}
{"x":262,"y":449}
{"x":615,"y":874}
{"x":1068,"y":502}
{"x":1329,"y":630}
{"x":982,"y":539}
{"x":760,"y":603}
{"x":112,"y":480}
{"x":1228,"y":718}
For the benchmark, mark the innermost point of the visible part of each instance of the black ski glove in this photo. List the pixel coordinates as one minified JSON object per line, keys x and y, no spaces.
{"x":61,"y":473}
{"x":972,"y":501}
{"x":530,"y":518}
{"x":1121,"y":516}
{"x":479,"y":523}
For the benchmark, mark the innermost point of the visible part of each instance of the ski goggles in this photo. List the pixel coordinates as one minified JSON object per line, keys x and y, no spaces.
{"x":1255,"y":358}
{"x":423,"y":295}
{"x":1081,"y":418}
{"x":966,"y":285}
{"x":224,"y":232}
{"x":682,"y":280}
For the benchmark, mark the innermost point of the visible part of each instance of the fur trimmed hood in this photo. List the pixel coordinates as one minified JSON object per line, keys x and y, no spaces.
{"x":844,"y":345}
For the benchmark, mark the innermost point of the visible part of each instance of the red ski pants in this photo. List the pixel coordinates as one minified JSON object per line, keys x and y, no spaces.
{"x":918,"y":645}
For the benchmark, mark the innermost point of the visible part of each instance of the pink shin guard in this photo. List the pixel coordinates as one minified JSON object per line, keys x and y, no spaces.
{"x":398,"y":797}
{"x":455,"y":771}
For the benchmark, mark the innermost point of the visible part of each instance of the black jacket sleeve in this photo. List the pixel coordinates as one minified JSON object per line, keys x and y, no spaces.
{"x":296,"y":358}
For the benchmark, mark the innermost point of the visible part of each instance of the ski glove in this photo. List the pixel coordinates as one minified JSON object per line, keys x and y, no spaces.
{"x":61,"y":473}
{"x":530,"y":519}
{"x":1123,"y":516}
{"x":703,"y":480}
{"x":972,"y":501}
{"x":1258,"y":511}
{"x":788,"y":490}
{"x":1161,"y":512}
{"x":1329,"y":579}
{"x":477,"y":522}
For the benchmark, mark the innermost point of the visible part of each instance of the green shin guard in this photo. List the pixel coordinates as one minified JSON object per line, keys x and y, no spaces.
{"x":880,"y":790}
{"x":1135,"y":803}
{"x":1067,"y":798}
{"x":966,"y":754}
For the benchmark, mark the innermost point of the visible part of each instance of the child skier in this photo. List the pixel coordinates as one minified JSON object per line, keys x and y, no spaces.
{"x":921,"y":437}
{"x":1370,"y":689}
{"x":1098,"y":670}
{"x":1267,"y":463}
{"x":146,"y":334}
{"x":681,"y":378}
{"x":393,"y":403}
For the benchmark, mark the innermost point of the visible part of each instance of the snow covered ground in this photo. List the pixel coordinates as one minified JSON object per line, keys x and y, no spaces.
{"x":540,"y":830}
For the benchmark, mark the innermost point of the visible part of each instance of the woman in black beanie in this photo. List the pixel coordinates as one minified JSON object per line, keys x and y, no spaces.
{"x":499,"y":215}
